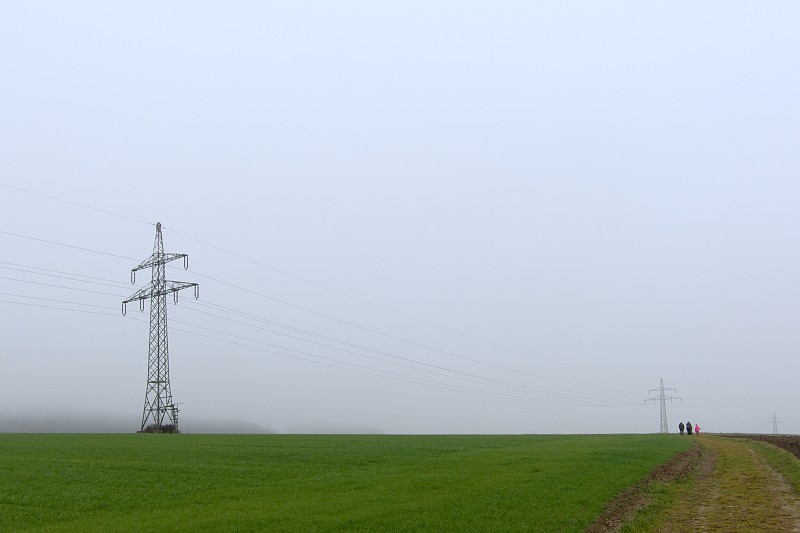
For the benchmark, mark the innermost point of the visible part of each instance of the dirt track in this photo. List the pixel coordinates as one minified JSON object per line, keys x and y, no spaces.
{"x":736,"y":490}
{"x":740,"y":492}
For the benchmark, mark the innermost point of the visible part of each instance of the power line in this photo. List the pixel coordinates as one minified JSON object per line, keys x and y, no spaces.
{"x":59,"y":286}
{"x":333,"y":359}
{"x":213,"y":315}
{"x":330,"y":317}
{"x":352,"y":367}
{"x":318,"y":313}
{"x":121,"y":283}
{"x":75,"y":204}
{"x":298,"y":278}
{"x":502,"y":383}
{"x":116,"y":285}
{"x":240,"y":322}
{"x":361,"y":300}
{"x":516,"y":386}
{"x":381,"y":373}
{"x":55,"y":301}
{"x":59,"y":308}
{"x":519,"y":387}
{"x":394,"y":337}
{"x":66,"y":245}
{"x":406,"y":379}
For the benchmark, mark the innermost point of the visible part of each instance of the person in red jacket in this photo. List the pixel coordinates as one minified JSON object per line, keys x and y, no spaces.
{"x":696,"y":429}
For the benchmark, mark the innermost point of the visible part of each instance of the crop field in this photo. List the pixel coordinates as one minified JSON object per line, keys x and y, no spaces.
{"x":141,"y":482}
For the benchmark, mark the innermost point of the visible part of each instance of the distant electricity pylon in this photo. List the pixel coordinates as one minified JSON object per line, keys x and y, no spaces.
{"x":775,"y":421}
{"x":158,"y":403}
{"x":662,"y":397}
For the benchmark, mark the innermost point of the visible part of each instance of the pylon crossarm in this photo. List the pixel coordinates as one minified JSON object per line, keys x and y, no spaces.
{"x":141,"y":294}
{"x":147,"y":292}
{"x":160,"y":259}
{"x":175,"y":286}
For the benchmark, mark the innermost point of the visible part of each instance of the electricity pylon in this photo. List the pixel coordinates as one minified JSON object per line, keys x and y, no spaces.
{"x":775,"y":421}
{"x":158,"y":403}
{"x":662,"y":397}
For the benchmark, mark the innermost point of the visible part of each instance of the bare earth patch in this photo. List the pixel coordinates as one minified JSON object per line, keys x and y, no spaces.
{"x":790,"y":443}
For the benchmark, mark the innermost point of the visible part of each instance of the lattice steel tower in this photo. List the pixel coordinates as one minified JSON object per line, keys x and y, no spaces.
{"x":775,"y":421}
{"x":158,"y":404}
{"x":662,"y":397}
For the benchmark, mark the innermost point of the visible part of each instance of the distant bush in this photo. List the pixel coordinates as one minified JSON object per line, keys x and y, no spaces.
{"x":168,"y":428}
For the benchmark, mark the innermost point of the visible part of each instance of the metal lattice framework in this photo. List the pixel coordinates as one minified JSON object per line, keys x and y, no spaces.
{"x":160,"y":413}
{"x":662,"y":397}
{"x":775,"y":421}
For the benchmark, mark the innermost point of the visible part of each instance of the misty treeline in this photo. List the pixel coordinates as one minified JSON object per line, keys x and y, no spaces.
{"x":73,"y":422}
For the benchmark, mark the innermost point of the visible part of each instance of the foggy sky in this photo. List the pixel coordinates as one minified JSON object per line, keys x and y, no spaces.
{"x":530,"y":212}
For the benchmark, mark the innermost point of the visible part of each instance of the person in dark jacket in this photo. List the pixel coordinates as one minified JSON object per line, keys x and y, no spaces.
{"x":680,"y":427}
{"x":688,"y":428}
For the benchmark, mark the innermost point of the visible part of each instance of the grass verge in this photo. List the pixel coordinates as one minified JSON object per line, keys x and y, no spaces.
{"x":781,"y":460}
{"x":657,"y":495}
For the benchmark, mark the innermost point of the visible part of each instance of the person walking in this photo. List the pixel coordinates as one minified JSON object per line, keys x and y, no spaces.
{"x":681,"y":427}
{"x":688,"y":428}
{"x":696,"y":429}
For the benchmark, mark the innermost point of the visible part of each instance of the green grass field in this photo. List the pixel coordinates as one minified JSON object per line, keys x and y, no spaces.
{"x":143,"y":482}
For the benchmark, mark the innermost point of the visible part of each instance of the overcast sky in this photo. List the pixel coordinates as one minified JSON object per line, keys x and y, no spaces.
{"x":463,"y":217}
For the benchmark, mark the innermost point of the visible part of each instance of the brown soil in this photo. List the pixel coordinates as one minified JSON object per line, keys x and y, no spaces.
{"x":790,"y":443}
